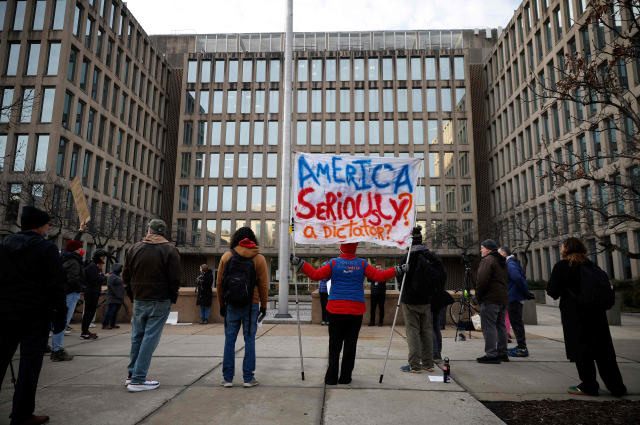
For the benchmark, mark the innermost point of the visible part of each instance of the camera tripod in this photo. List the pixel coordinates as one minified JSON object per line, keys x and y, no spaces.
{"x":467,"y":302}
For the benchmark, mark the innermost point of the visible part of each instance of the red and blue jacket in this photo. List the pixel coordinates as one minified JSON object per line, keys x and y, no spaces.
{"x":347,"y":273}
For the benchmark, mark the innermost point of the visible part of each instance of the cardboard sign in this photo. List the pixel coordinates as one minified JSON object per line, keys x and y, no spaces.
{"x":354,"y":199}
{"x":80,"y":200}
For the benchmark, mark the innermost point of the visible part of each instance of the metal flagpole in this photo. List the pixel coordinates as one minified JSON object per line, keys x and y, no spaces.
{"x":295,"y":285}
{"x":404,"y":276}
{"x":285,"y":219}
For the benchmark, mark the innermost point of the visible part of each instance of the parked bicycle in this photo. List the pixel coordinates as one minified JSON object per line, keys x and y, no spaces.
{"x":123,"y":314}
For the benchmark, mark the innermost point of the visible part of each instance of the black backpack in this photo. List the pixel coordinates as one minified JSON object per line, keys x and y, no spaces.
{"x":428,"y":275}
{"x":595,"y":289}
{"x":239,"y":280}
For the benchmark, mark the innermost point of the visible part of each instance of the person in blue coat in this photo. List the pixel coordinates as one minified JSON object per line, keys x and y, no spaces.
{"x":518,"y":293}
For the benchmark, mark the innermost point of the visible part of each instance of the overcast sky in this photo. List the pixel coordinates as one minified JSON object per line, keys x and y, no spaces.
{"x":237,"y":16}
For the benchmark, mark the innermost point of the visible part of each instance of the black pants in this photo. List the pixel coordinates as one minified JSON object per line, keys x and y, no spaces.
{"x":111,"y":315}
{"x":609,"y":372}
{"x":515,"y":317}
{"x":377,"y":300}
{"x":90,"y":306}
{"x":324,"y":299}
{"x":343,"y":329}
{"x":437,"y":334}
{"x":32,"y":336}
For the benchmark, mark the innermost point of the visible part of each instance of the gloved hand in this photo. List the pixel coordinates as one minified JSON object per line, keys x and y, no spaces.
{"x":297,"y":261}
{"x":60,"y":320}
{"x":263,"y":312}
{"x":400,"y":270}
{"x":223,"y":311}
{"x":530,"y":296}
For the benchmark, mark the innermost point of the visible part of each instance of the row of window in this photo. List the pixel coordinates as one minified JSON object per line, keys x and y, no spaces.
{"x":328,"y":69}
{"x":220,"y":234}
{"x":312,"y":132}
{"x":437,"y":160}
{"x":225,"y":196}
{"x":332,"y":98}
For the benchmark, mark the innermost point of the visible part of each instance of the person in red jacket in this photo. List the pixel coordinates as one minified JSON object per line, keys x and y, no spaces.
{"x":346,"y":304}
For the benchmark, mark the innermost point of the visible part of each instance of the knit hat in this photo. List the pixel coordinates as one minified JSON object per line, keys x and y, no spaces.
{"x":349,"y":248}
{"x":416,"y":235}
{"x":73,"y":246}
{"x":33,"y":218}
{"x":158,"y":225}
{"x":490,"y":245}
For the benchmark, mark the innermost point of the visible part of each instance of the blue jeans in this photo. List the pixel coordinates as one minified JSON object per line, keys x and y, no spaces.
{"x":235,"y":317}
{"x":111,"y":315}
{"x":148,"y":321}
{"x":72,"y":300}
{"x":204,"y":312}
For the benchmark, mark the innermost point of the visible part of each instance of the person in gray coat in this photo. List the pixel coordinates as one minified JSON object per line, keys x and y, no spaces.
{"x":115,"y":297}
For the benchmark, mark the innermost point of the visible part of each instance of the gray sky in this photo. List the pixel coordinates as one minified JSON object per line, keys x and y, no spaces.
{"x":233,"y":16}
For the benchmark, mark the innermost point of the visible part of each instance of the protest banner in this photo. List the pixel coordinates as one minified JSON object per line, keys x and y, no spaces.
{"x":80,"y":200}
{"x":354,"y":199}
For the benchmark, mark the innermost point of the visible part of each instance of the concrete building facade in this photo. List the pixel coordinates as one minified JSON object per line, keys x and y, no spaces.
{"x":519,"y":125}
{"x":95,"y":105}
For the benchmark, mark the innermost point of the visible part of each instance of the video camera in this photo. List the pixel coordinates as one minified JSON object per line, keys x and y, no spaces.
{"x":466,"y":258}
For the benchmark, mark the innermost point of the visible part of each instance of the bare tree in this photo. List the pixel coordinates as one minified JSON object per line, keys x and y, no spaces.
{"x":598,"y":187}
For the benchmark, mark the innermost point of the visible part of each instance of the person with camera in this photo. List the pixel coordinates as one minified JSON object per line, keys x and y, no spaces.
{"x":32,"y":291}
{"x":425,"y":276}
{"x":493,"y":295}
{"x":518,"y":293}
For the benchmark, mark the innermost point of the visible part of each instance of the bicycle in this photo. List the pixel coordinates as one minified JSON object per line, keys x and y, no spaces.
{"x":123,"y":314}
{"x":467,"y":302}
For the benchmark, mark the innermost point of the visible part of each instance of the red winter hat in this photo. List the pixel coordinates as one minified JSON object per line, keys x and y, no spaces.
{"x":349,"y":248}
{"x":73,"y":246}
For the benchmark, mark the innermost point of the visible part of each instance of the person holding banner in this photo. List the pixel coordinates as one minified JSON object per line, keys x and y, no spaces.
{"x":346,"y":304}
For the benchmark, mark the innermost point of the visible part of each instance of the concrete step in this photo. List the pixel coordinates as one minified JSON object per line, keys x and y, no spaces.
{"x":304,"y":320}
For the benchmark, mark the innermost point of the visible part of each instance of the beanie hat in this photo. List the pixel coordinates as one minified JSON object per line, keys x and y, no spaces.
{"x":416,"y":235}
{"x":349,"y":248}
{"x":73,"y":246}
{"x":490,"y":245}
{"x":33,"y":218}
{"x":158,"y":225}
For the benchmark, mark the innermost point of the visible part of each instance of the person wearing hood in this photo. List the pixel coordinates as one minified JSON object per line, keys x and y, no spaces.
{"x":151,"y":275}
{"x":492,"y":292}
{"x":115,"y":297}
{"x":242,"y":263}
{"x":205,"y":293}
{"x":32,"y":291}
{"x":95,"y":279}
{"x":346,"y":304}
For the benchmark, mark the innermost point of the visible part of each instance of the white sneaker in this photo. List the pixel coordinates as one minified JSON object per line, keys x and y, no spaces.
{"x":226,"y":384}
{"x":127,"y":382}
{"x":91,"y":325}
{"x":67,"y":332}
{"x":145,"y":386}
{"x":252,"y":383}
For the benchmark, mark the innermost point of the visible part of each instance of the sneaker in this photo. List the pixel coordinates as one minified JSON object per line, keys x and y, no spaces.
{"x":128,"y":381}
{"x":201,"y":320}
{"x":69,"y":328}
{"x":251,"y":383}
{"x":427,"y":368}
{"x":323,"y":324}
{"x":115,"y":327}
{"x":106,"y":327}
{"x":88,"y":335}
{"x":226,"y":384}
{"x":91,"y":325}
{"x":67,"y":332}
{"x":371,"y":324}
{"x":489,"y":360}
{"x":519,"y":352}
{"x":61,"y":356}
{"x":145,"y":386}
{"x":206,"y":322}
{"x":407,"y":368}
{"x":504,"y":358}
{"x":576,"y":391}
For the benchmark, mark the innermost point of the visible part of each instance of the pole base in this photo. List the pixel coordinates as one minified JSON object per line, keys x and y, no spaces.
{"x":381,"y":376}
{"x":302,"y":376}
{"x":283,"y":316}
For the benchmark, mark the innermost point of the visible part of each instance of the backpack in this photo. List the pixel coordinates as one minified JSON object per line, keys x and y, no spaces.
{"x":239,"y":280}
{"x":595,"y":289}
{"x":428,"y":275}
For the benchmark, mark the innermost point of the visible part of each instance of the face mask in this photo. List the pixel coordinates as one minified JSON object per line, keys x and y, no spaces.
{"x":81,"y":253}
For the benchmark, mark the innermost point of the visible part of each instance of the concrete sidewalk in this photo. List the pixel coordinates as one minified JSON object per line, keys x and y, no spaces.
{"x":188,"y":362}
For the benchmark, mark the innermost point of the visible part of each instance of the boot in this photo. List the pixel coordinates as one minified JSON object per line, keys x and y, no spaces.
{"x":205,"y":322}
{"x":61,"y":356}
{"x":33,"y":420}
{"x":201,"y":320}
{"x":371,"y":323}
{"x":380,"y":323}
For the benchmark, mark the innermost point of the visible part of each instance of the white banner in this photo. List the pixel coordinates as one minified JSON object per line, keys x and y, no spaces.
{"x":342,"y":199}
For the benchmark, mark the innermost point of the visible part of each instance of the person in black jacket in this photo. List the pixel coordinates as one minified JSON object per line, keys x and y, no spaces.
{"x":205,"y":293}
{"x":586,"y":330}
{"x":31,"y":293}
{"x":115,"y":297}
{"x":93,"y":289}
{"x":378,"y":296}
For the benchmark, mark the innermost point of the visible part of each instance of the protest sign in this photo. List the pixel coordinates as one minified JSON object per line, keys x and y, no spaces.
{"x":80,"y":200}
{"x":354,"y":199}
